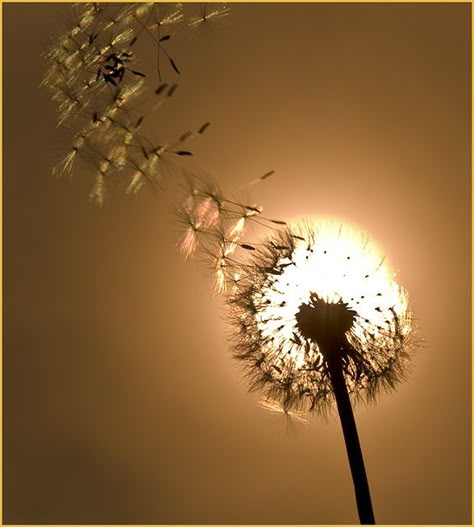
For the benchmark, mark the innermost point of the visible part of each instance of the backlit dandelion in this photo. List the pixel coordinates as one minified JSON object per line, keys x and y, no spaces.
{"x":318,"y":319}
{"x":103,"y":91}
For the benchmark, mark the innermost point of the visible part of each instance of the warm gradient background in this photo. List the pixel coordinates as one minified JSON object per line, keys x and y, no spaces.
{"x":121,"y":404}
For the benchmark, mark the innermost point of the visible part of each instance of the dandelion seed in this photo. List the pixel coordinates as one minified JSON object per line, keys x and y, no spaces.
{"x":247,"y":246}
{"x":220,"y":281}
{"x":161,"y":88}
{"x":273,"y":406}
{"x":65,"y":166}
{"x":209,"y":12}
{"x":203,"y":128}
{"x":171,"y":90}
{"x":189,"y":243}
{"x":267,"y":175}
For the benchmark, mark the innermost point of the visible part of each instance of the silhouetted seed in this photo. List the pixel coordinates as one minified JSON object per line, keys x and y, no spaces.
{"x":172,"y":90}
{"x":278,"y":247}
{"x":183,"y":153}
{"x":366,"y":276}
{"x":246,"y":246}
{"x":296,"y":339}
{"x":134,"y":39}
{"x":139,"y":121}
{"x":379,"y":294}
{"x":173,"y":65}
{"x":276,"y":368}
{"x":161,"y":88}
{"x":203,"y":128}
{"x":275,"y":271}
{"x":94,"y":117}
{"x":297,"y":237}
{"x":166,"y":37}
{"x":253,"y":209}
{"x":144,"y":152}
{"x":268,"y":174}
{"x":278,"y":222}
{"x":138,"y":73}
{"x":185,"y":136}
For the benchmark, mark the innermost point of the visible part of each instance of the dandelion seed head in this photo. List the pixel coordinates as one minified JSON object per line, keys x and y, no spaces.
{"x":310,"y":285}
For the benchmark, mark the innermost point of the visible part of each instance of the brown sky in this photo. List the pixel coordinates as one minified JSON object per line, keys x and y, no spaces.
{"x":121,"y":401}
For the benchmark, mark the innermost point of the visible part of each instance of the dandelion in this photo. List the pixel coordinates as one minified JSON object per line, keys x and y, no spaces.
{"x":318,"y":319}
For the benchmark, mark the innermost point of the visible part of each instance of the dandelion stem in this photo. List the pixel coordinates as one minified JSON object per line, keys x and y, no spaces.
{"x":351,"y":438}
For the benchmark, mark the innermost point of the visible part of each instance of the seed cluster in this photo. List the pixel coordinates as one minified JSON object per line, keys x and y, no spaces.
{"x":103,"y":92}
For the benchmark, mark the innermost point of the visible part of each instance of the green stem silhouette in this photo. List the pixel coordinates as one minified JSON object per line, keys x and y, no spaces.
{"x":351,"y":438}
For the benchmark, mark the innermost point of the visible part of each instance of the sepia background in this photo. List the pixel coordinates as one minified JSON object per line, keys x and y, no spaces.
{"x":121,"y":401}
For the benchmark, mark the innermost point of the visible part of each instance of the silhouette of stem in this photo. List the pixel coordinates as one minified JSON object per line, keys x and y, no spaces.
{"x":351,"y":438}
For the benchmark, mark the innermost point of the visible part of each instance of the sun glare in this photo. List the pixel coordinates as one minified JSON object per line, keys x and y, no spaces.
{"x":339,"y":264}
